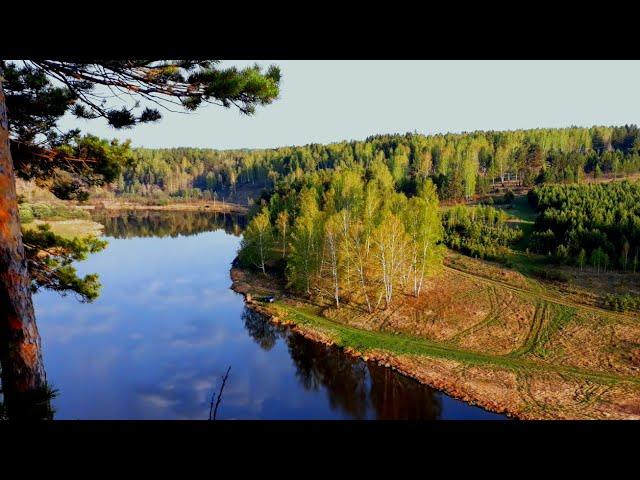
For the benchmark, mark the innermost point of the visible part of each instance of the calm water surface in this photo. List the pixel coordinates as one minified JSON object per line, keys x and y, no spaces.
{"x":166,"y":327}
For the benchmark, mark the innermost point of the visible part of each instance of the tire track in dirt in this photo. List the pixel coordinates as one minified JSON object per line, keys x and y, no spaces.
{"x":442,"y":350}
{"x":494,"y":314}
{"x":531,"y":342}
{"x":549,"y":298}
{"x":559,"y":316}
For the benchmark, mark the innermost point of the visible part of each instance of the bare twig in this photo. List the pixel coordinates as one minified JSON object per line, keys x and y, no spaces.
{"x":214,"y":411}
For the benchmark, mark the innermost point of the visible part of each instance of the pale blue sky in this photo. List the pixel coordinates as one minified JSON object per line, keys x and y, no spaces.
{"x":328,"y":101}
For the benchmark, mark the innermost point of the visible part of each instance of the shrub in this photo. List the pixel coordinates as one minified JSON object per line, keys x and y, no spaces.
{"x":509,"y":197}
{"x":621,"y":303}
{"x":551,"y":275}
{"x":45,"y":211}
{"x":26,"y":213}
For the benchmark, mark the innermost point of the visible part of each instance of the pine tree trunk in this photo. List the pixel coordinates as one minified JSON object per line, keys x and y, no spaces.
{"x":23,"y":375}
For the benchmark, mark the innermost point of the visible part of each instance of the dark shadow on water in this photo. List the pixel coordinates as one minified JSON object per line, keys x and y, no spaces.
{"x":264,"y":333}
{"x":357,"y":388}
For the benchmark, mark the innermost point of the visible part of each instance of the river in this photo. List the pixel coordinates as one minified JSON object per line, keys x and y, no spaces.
{"x":166,"y":327}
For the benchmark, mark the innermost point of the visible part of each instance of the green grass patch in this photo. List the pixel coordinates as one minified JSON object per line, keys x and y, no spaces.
{"x":521,"y":210}
{"x":47,"y":211}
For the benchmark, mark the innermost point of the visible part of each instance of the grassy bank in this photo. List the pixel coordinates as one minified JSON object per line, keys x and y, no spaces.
{"x":508,"y":351}
{"x":364,"y":341}
{"x":69,"y":228}
{"x":65,"y":220}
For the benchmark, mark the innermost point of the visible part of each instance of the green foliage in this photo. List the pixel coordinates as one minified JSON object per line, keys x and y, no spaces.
{"x":25,"y":211}
{"x":543,"y":242}
{"x":460,"y":165}
{"x":597,"y":224}
{"x":303,"y":260}
{"x":49,"y":259}
{"x":478,"y":231}
{"x":46,"y":211}
{"x":352,"y":235}
{"x":191,"y":83}
{"x":256,"y":248}
{"x":622,"y":303}
{"x":41,"y":150}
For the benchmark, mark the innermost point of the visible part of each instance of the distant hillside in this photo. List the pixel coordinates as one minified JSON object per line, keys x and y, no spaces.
{"x":461,"y":165}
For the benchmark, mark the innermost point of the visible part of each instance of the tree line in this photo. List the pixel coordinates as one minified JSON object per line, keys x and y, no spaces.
{"x":347,"y":235}
{"x":461,"y":165}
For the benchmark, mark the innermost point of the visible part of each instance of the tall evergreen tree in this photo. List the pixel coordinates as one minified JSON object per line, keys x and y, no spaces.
{"x":33,"y":97}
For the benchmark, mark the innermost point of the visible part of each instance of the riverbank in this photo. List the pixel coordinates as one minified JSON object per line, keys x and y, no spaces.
{"x":217,"y":207}
{"x":511,"y":357}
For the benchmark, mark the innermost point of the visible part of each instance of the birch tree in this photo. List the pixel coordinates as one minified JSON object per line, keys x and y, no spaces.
{"x":423,"y":225}
{"x":303,"y":257}
{"x":332,"y":241}
{"x":257,"y":242}
{"x":389,"y":239}
{"x":282,"y":224}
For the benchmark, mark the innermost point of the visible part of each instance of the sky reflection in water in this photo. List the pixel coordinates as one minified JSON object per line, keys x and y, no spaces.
{"x":166,"y":327}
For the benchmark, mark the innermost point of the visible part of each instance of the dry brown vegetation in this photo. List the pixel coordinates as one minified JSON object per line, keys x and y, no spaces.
{"x":489,"y":335}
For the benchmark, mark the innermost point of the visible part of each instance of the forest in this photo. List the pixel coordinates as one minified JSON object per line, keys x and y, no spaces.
{"x":461,"y":165}
{"x":480,"y":231}
{"x":589,"y":224}
{"x":348,"y":235}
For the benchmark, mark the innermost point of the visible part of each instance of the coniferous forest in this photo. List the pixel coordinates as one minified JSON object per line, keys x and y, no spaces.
{"x":589,"y":224}
{"x":480,"y":231}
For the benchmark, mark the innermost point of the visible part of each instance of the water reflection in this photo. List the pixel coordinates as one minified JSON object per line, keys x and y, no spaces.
{"x":166,"y":327}
{"x":263,"y":332}
{"x":154,"y":223}
{"x":357,"y":388}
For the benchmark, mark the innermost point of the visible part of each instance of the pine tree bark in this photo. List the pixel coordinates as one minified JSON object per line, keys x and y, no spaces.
{"x":23,"y":374}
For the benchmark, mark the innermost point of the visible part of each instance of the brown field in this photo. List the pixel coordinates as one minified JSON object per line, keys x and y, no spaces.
{"x":69,"y":228}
